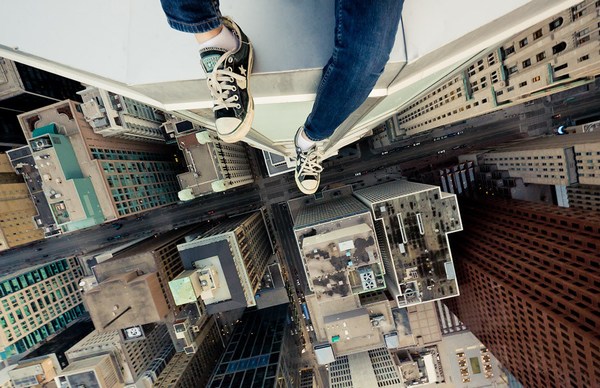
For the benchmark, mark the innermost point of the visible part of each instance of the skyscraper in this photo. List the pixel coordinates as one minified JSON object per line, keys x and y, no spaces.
{"x":37,"y":303}
{"x":193,"y":370}
{"x":112,"y":115}
{"x":551,"y":160}
{"x":24,"y":88}
{"x":559,"y":52}
{"x":584,"y":197}
{"x":17,"y":226}
{"x":127,"y":177}
{"x":260,"y":353}
{"x":529,"y":288}
{"x":213,"y":165}
{"x":224,"y":265}
{"x":413,"y":222}
{"x":133,"y":286}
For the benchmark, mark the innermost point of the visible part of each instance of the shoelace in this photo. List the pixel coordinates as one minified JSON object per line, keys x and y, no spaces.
{"x":309,"y":163}
{"x":221,"y":84}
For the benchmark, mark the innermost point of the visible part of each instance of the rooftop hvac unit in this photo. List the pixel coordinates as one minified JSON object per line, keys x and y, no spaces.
{"x":196,"y":329}
{"x":190,"y":349}
{"x":367,"y":279}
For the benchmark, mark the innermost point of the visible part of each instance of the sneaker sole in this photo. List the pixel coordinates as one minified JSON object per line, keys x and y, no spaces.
{"x":242,"y":130}
{"x":304,"y":190}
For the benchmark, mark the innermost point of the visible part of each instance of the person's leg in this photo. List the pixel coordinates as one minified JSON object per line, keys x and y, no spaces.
{"x":227,"y":58}
{"x":364,"y":36}
{"x":193,"y":16}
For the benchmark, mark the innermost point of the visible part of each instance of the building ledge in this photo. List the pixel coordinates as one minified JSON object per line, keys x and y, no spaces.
{"x":130,"y":50}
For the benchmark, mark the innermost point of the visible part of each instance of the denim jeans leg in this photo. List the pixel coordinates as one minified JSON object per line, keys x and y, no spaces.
{"x":193,"y":16}
{"x":364,"y":36}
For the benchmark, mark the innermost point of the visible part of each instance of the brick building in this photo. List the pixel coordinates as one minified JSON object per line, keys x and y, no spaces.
{"x":530,"y":279}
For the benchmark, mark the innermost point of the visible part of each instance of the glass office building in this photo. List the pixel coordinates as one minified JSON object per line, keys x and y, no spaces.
{"x":37,"y":304}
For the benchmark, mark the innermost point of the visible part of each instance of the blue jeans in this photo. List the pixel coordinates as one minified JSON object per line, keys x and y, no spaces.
{"x":364,"y":35}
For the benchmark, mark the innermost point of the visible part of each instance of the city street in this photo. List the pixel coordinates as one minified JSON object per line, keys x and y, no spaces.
{"x":159,"y":220}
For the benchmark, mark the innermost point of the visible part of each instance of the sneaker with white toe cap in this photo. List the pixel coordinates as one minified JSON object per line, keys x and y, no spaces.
{"x":228,"y":75}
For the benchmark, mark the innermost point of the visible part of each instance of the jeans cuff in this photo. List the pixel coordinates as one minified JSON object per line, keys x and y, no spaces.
{"x":310,"y":137}
{"x":196,"y":28}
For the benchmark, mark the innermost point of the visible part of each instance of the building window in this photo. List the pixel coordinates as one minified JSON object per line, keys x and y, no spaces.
{"x":561,"y":67}
{"x":541,"y":56}
{"x":522,"y":84}
{"x":583,"y":58}
{"x":556,"y":23}
{"x":509,"y":50}
{"x":538,"y":34}
{"x":512,"y":70}
{"x":526,"y":63}
{"x":559,"y":48}
{"x":523,"y":42}
{"x":536,"y":79}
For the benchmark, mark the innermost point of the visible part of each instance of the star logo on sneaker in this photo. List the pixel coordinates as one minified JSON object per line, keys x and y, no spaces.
{"x":242,"y":70}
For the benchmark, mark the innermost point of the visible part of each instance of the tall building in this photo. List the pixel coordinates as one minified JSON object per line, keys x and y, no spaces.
{"x":224,"y":265}
{"x":112,"y":115}
{"x":413,"y":221}
{"x":37,"y":303}
{"x":374,"y":368}
{"x":549,"y":56}
{"x":95,"y":176}
{"x":552,"y":160}
{"x":40,"y":371}
{"x":137,"y":359}
{"x":260,"y":353}
{"x":285,"y":78}
{"x":24,"y":88}
{"x":99,"y":371}
{"x":17,"y":211}
{"x":368,"y":253}
{"x":343,"y":264}
{"x":133,"y":285}
{"x":213,"y":165}
{"x":529,"y":285}
{"x":584,"y":197}
{"x":193,"y":370}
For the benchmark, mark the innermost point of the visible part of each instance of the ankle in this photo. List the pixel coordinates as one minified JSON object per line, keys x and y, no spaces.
{"x":221,"y":37}
{"x":204,"y":37}
{"x":303,"y":142}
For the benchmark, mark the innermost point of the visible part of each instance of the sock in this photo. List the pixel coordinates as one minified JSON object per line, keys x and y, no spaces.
{"x":225,"y":40}
{"x":304,"y":142}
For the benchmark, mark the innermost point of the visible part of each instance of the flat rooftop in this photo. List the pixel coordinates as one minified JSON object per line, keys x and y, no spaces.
{"x":126,"y":300}
{"x":419,"y":223}
{"x":202,"y":171}
{"x":198,"y":250}
{"x":341,"y":257}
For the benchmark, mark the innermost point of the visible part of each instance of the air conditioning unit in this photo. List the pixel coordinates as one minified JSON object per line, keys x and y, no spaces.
{"x":190,"y":349}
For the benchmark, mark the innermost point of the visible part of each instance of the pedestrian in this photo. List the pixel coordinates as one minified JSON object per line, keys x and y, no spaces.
{"x":365,"y":31}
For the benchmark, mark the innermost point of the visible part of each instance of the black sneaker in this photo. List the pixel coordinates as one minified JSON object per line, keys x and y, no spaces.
{"x":308,"y":167}
{"x":228,"y":79}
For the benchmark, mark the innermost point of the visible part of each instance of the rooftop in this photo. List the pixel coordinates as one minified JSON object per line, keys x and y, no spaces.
{"x":125,"y":300}
{"x":358,"y":329}
{"x":341,"y":257}
{"x":202,"y":171}
{"x":216,"y":255}
{"x":420,"y":218}
{"x":307,"y":211}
